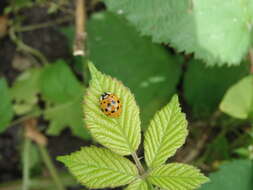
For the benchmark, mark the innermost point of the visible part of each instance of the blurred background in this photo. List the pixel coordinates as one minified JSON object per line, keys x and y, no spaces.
{"x":42,"y":85}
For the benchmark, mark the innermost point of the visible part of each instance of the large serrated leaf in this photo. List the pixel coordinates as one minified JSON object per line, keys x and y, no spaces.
{"x":238,"y":101}
{"x":25,"y":90}
{"x":99,"y":167}
{"x":6,"y":112}
{"x":138,"y":185}
{"x":192,"y":26}
{"x":122,"y":135}
{"x":235,"y":175}
{"x":177,"y":176}
{"x":63,"y":95}
{"x":166,"y":133}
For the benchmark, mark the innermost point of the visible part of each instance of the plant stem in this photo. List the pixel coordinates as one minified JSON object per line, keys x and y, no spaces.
{"x":80,"y":22}
{"x":138,"y":163}
{"x":43,"y":25}
{"x":25,"y":117}
{"x":26,"y":166}
{"x":23,"y":47}
{"x":251,"y":60}
{"x":51,"y":167}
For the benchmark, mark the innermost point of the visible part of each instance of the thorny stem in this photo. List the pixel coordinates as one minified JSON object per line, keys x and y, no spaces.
{"x":26,"y":164}
{"x":51,"y":167}
{"x":138,"y":163}
{"x":80,"y":22}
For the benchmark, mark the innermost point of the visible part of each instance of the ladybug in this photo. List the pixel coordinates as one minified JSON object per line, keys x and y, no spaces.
{"x":110,"y":104}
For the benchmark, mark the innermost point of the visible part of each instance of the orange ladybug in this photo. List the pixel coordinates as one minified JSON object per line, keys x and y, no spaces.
{"x":110,"y":104}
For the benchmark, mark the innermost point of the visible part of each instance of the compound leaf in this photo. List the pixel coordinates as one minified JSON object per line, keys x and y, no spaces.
{"x":166,"y":133}
{"x":238,"y":101}
{"x":63,"y":94}
{"x":99,"y":167}
{"x":177,"y":176}
{"x":6,"y":112}
{"x":121,"y":134}
{"x":192,"y":26}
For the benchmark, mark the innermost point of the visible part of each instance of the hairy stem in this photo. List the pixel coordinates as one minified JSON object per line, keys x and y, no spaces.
{"x":138,"y":163}
{"x":26,"y":166}
{"x":51,"y":167}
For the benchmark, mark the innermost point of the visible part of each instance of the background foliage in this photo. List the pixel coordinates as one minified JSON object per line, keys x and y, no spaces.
{"x":199,"y":49}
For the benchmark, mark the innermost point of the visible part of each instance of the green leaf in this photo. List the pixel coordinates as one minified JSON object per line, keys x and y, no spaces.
{"x":63,"y":94}
{"x":233,"y":175}
{"x":122,"y":135}
{"x":138,"y":185}
{"x":192,"y":26}
{"x":166,"y":133}
{"x":99,"y":167}
{"x":6,"y":112}
{"x":177,"y":176}
{"x":238,"y":101}
{"x":25,"y":90}
{"x":153,"y":87}
{"x":201,"y":81}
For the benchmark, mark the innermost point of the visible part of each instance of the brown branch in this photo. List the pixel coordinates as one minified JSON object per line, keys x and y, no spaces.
{"x":80,"y":22}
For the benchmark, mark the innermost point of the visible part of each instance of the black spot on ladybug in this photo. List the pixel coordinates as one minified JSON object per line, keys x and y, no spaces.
{"x":106,"y":109}
{"x":117,"y":107}
{"x":112,"y":111}
{"x":108,"y":104}
{"x":118,"y":101}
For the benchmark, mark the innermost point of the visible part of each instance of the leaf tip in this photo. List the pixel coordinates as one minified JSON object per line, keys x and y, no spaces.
{"x":62,"y":159}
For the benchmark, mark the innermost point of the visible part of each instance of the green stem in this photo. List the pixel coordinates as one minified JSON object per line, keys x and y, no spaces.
{"x":43,"y":25}
{"x":51,"y":167}
{"x":22,"y":46}
{"x":26,"y":166}
{"x":138,"y":163}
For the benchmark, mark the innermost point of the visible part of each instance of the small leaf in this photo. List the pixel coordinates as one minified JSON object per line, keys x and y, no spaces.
{"x":138,"y":185}
{"x":6,"y":112}
{"x":166,"y":133}
{"x":99,"y":167}
{"x":177,"y":176}
{"x":25,"y":89}
{"x":122,"y":134}
{"x":241,"y":107}
{"x":63,"y":94}
{"x":235,"y":175}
